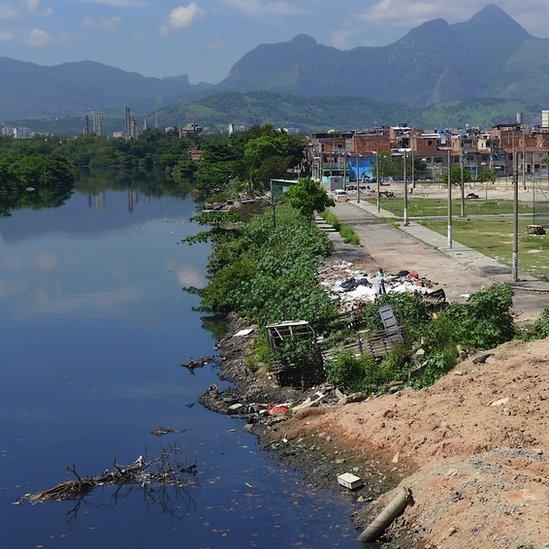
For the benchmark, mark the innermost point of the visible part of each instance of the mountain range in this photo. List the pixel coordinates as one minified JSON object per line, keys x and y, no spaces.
{"x":73,"y":88}
{"x":489,"y":60}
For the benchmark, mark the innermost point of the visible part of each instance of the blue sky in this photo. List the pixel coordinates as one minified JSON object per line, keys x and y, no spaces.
{"x":203,"y":38}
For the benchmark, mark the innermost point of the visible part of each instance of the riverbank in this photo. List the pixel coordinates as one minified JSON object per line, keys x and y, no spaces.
{"x":255,"y":397}
{"x":317,"y":431}
{"x":471,"y":447}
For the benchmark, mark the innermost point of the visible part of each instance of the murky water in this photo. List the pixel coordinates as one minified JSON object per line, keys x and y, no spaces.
{"x":93,"y":328}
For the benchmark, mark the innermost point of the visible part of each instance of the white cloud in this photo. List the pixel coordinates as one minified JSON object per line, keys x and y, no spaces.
{"x":259,"y":8}
{"x":182,"y":17}
{"x":107,"y":24}
{"x":407,"y":13}
{"x":116,"y":3}
{"x":37,"y":38}
{"x":35,"y":7}
{"x":7,"y":36}
{"x":9,"y":11}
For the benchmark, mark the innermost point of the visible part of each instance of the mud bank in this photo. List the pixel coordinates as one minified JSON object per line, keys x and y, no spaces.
{"x":256,"y":398}
{"x":471,"y":447}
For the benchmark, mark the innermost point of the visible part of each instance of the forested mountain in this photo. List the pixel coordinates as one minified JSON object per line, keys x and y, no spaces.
{"x":28,"y":89}
{"x":485,"y":64}
{"x":490,"y":55}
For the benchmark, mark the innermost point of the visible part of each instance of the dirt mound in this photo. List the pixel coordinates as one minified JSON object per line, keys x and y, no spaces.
{"x":495,"y":499}
{"x":487,"y":421}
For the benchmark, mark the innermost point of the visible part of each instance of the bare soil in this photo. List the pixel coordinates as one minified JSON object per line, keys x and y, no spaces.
{"x":473,"y":445}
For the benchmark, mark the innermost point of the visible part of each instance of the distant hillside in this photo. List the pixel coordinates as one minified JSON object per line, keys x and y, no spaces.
{"x":490,"y":55}
{"x":309,"y":113}
{"x":29,"y":90}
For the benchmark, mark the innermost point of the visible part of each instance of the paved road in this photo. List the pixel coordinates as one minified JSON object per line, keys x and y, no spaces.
{"x":386,"y":246}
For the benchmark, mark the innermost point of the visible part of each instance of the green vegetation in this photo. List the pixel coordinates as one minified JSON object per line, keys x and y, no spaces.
{"x":455,"y":175}
{"x":35,"y":181}
{"x":346,"y":232}
{"x":483,"y":322}
{"x":495,"y":239}
{"x":539,"y":329}
{"x":426,"y":207}
{"x":349,"y":235}
{"x":307,"y":196}
{"x":269,"y":274}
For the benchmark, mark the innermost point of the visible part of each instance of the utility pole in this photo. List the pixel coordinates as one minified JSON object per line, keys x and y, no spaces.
{"x":515,"y":260}
{"x":413,"y":164}
{"x":462,"y":170}
{"x":378,"y":198}
{"x":405,"y":191}
{"x":357,"y":178}
{"x":449,"y":235}
{"x":523,"y":134}
{"x":273,"y":204}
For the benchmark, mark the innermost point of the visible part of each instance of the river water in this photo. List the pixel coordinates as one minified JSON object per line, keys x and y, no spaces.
{"x":93,"y":328}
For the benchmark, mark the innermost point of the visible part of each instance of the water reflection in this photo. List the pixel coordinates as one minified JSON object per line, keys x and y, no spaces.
{"x":93,"y":328}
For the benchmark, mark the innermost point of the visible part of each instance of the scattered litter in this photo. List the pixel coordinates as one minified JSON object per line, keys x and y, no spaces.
{"x":308,"y":402}
{"x":353,"y":285}
{"x":350,"y":481}
{"x":500,"y":402}
{"x":192,"y":365}
{"x":278,"y":409}
{"x":244,"y":333}
{"x":161,"y":431}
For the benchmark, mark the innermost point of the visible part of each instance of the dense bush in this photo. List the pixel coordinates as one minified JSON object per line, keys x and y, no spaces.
{"x":483,"y":322}
{"x":540,"y":328}
{"x":269,"y":274}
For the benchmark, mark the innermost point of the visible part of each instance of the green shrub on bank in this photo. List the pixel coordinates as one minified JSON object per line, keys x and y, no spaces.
{"x":331,"y":219}
{"x":483,"y":322}
{"x":539,"y":329}
{"x":269,"y":274}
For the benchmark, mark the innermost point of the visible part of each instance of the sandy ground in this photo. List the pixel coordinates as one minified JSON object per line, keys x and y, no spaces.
{"x":474,"y":445}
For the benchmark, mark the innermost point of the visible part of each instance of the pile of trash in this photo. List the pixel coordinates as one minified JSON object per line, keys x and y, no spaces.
{"x":352,"y":285}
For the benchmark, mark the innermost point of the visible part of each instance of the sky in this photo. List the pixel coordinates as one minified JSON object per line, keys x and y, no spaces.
{"x":204,"y":38}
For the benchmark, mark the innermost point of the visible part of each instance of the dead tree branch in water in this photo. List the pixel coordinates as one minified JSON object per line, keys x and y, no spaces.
{"x":166,"y":470}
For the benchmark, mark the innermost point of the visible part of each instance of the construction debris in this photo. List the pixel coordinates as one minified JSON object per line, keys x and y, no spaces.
{"x":350,"y":481}
{"x":395,"y":507}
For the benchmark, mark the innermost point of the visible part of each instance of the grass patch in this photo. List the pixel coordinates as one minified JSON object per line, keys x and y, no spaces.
{"x":495,"y":239}
{"x":427,"y":207}
{"x":348,"y":234}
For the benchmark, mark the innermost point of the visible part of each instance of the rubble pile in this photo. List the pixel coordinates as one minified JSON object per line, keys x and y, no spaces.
{"x":352,"y":285}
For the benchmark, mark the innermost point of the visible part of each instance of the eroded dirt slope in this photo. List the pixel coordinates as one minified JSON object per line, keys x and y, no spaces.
{"x":475,"y":443}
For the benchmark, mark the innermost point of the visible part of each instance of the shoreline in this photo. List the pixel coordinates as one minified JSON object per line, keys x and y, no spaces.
{"x":317,"y":456}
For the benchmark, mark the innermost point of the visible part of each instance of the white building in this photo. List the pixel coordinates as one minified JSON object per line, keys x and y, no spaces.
{"x":545,"y":119}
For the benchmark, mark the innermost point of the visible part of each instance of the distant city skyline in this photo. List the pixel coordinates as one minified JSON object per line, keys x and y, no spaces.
{"x":204,"y":38}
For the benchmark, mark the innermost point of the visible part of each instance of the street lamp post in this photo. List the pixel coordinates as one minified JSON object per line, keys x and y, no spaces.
{"x":405,"y":191}
{"x":378,"y":189}
{"x":357,"y":180}
{"x":449,"y":233}
{"x":462,"y":176}
{"x":515,"y":257}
